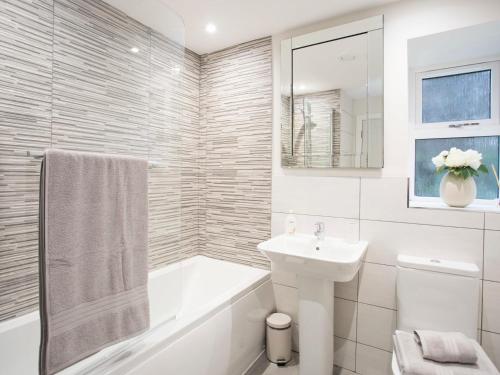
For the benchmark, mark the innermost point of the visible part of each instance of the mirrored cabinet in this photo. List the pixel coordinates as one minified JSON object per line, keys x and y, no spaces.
{"x":332,"y":97}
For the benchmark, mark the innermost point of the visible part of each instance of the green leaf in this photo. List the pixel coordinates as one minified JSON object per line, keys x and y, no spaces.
{"x":463,"y":172}
{"x":441,"y":169}
{"x":483,"y":168}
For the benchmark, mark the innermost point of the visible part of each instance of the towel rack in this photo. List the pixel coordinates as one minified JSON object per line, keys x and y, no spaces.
{"x":39,"y":155}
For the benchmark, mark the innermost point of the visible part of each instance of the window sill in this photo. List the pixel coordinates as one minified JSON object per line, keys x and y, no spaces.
{"x":444,"y":206}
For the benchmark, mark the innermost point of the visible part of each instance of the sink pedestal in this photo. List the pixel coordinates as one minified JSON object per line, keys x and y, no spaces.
{"x":315,"y":325}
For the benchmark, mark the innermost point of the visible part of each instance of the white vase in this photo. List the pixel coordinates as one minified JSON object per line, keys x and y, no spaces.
{"x":457,"y":192}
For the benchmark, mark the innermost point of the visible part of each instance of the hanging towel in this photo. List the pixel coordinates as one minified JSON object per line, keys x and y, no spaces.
{"x":446,"y":346}
{"x":93,"y":254}
{"x":411,"y":361}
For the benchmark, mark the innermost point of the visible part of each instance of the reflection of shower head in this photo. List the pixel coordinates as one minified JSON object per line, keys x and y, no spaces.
{"x":307,"y":107}
{"x":307,"y":117}
{"x":307,"y":112}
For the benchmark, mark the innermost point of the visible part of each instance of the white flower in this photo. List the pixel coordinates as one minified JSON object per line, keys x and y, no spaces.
{"x":456,"y":158}
{"x":473,"y":159}
{"x":439,"y":160}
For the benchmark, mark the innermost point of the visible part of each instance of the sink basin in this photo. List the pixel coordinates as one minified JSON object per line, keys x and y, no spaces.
{"x":332,"y":259}
{"x":318,"y":264}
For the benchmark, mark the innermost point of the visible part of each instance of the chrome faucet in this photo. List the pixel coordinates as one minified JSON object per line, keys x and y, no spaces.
{"x":319,"y":230}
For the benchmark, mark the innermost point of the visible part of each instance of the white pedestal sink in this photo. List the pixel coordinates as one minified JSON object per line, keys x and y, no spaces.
{"x":318,"y":264}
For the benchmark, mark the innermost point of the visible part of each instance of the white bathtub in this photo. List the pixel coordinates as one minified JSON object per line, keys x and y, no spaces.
{"x":207,"y":317}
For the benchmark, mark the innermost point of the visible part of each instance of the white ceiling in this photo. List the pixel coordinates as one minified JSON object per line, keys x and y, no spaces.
{"x":237,"y":21}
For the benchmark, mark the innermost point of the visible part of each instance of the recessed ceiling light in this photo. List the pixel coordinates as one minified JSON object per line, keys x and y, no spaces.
{"x":210,"y":28}
{"x":134,"y":50}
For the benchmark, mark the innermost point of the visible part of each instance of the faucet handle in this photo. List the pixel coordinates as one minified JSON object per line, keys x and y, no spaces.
{"x":319,"y":227}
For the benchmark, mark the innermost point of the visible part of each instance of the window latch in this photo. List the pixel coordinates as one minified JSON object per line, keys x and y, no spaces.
{"x":464,"y":124}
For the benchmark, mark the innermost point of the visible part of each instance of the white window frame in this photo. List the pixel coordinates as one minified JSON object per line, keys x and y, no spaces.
{"x":418,"y":130}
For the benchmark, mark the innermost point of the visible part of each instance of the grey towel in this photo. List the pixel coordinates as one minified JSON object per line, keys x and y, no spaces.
{"x":411,"y":361}
{"x":93,"y":254}
{"x":446,"y":346}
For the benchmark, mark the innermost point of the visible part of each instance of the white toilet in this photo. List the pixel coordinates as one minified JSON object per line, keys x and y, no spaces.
{"x":437,"y":295}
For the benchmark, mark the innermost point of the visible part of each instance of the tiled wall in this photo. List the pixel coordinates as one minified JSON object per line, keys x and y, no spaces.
{"x":68,"y":80}
{"x":25,"y":120}
{"x":374,"y":209}
{"x":236,"y":130}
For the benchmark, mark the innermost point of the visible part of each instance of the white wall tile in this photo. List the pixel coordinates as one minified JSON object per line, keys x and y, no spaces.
{"x":491,"y":306}
{"x":492,"y":255}
{"x":386,"y":199}
{"x":377,"y":285}
{"x":295,"y":337}
{"x":492,"y":221}
{"x":348,"y":290}
{"x":322,"y":196}
{"x":491,"y":345}
{"x":387,"y":240}
{"x":345,"y":318}
{"x":480,"y":310}
{"x":287,"y":300}
{"x":376,"y":326}
{"x":344,"y":353}
{"x":334,"y":227}
{"x":283,"y":277}
{"x":372,"y":361}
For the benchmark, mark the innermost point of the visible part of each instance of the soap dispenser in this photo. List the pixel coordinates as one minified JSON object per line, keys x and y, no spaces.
{"x":290,"y":223}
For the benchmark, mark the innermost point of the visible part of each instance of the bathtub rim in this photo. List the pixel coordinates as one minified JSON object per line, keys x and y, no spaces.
{"x":18,"y":321}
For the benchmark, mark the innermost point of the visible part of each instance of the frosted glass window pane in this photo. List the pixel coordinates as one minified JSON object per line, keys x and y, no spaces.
{"x":426,"y":179}
{"x":458,"y":97}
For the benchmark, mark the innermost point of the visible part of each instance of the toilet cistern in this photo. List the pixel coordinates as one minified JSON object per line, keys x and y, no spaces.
{"x":319,"y":230}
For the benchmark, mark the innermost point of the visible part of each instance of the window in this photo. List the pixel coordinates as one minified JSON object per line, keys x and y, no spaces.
{"x":457,"y":97}
{"x":427,"y":181}
{"x":455,"y":107}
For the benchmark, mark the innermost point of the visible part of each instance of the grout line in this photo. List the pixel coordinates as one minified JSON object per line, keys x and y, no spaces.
{"x":374,"y":347}
{"x":313,"y":215}
{"x":359,"y":198}
{"x":358,"y":284}
{"x":422,"y":224}
{"x":378,"y":306}
{"x":387,"y":221}
{"x":493,"y":332}
{"x":346,"y":299}
{"x":481,"y":302}
{"x":357,"y":325}
{"x":380,"y":264}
